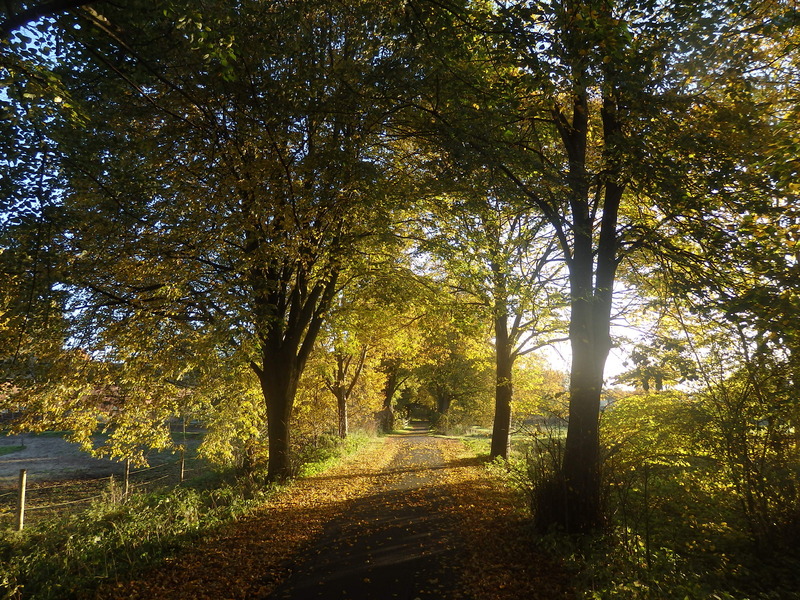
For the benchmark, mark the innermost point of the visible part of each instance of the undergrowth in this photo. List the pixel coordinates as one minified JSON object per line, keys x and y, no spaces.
{"x":67,"y":557}
{"x":672,"y":532}
{"x":316,"y":458}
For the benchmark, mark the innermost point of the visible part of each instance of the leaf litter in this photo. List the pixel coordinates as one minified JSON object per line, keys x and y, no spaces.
{"x":388,"y":505}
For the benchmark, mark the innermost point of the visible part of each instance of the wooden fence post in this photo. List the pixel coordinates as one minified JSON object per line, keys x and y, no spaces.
{"x":23,"y":482}
{"x":127,"y":479}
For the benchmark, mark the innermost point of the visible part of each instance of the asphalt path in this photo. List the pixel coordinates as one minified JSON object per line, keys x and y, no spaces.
{"x":399,"y":543}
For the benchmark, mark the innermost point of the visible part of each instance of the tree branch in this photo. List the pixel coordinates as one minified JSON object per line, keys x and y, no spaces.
{"x":45,"y":9}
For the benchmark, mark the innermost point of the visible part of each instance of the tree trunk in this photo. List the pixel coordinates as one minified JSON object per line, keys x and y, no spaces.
{"x":392,"y":381}
{"x":386,"y":419}
{"x":341,"y":404}
{"x":443,"y":401}
{"x":574,"y":498}
{"x":581,"y":466}
{"x":286,"y":343}
{"x":279,"y":379}
{"x":591,"y":291}
{"x":339,"y":386}
{"x":278,"y":428}
{"x":386,"y":415}
{"x":501,"y":432}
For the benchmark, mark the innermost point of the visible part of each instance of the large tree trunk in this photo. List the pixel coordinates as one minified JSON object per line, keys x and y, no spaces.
{"x":286,"y":344}
{"x":581,"y":466}
{"x":279,"y":379}
{"x":591,"y":272}
{"x":591,"y":290}
{"x":501,"y":433}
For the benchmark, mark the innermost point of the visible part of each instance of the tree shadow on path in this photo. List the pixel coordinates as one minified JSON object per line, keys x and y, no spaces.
{"x":401,"y":542}
{"x":410,"y":519}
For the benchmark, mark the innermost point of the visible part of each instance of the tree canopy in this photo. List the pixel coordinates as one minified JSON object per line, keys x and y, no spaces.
{"x":195,"y":208}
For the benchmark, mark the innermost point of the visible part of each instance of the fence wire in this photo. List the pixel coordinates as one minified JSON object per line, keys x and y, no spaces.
{"x":137,"y":480}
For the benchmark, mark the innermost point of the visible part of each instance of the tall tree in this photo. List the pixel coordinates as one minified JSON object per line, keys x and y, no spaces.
{"x":618,"y":90}
{"x":499,"y":258}
{"x":224,"y":178}
{"x":596,"y":112}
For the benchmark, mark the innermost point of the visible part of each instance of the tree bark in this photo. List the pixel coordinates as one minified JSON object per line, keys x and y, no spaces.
{"x":341,"y":405}
{"x":592,"y":271}
{"x":581,"y":465}
{"x":501,"y":432}
{"x":340,"y":392}
{"x":286,"y":343}
{"x":279,"y":379}
{"x":341,"y":388}
{"x":443,"y":401}
{"x":393,"y":381}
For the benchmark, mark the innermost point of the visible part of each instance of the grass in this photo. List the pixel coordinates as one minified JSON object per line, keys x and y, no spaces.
{"x":10,"y":449}
{"x":478,"y":440}
{"x":67,"y":556}
{"x":316,"y":460}
{"x":64,"y":557}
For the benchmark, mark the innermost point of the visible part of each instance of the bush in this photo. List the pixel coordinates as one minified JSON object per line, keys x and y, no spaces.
{"x":676,"y":523}
{"x":535,"y":469}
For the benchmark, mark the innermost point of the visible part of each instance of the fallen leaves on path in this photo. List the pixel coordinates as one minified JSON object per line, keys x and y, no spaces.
{"x":250,"y":557}
{"x":501,"y":563}
{"x":487,"y":534}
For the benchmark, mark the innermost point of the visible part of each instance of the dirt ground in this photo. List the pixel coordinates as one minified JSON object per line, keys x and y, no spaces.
{"x":49,"y":457}
{"x":400,"y":542}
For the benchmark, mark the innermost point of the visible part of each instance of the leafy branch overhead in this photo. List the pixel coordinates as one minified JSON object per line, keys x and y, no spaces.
{"x":406,"y":203}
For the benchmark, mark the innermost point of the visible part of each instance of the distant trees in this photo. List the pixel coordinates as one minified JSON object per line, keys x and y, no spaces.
{"x":455,"y":371}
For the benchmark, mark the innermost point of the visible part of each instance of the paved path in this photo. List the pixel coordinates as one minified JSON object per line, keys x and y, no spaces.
{"x":399,"y":543}
{"x":413,"y":518}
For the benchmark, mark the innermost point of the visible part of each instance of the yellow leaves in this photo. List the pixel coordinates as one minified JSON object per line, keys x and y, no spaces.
{"x":250,"y":558}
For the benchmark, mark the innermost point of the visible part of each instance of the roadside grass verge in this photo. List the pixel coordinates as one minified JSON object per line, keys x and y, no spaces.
{"x":10,"y":449}
{"x":68,"y":556}
{"x":673,"y":531}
